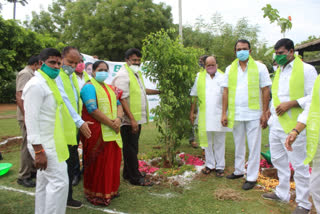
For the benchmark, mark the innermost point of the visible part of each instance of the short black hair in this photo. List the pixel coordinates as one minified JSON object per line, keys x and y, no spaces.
{"x":47,"y":52}
{"x":131,"y":52}
{"x":242,"y":41}
{"x":33,"y":60}
{"x":287,"y":43}
{"x":97,"y":63}
{"x":87,"y":64}
{"x":203,"y":58}
{"x":67,"y":49}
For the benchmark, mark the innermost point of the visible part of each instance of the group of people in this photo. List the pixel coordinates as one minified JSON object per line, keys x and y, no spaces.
{"x":239,"y":101}
{"x":59,"y":104}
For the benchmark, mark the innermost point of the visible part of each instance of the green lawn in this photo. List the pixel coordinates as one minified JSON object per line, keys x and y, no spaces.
{"x":197,"y":197}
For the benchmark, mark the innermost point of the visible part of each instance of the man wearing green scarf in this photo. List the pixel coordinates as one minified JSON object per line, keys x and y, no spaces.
{"x":291,"y":89}
{"x":44,"y":119}
{"x":245,"y":110}
{"x":135,"y":105}
{"x":310,"y":117}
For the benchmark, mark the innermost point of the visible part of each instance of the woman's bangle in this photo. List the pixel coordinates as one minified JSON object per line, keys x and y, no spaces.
{"x":295,"y":130}
{"x":38,"y":152}
{"x":120,"y":118}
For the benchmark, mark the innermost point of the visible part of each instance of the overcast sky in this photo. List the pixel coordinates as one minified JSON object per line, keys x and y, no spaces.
{"x":305,"y":14}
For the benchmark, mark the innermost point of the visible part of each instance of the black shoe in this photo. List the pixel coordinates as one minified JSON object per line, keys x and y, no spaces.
{"x":76,"y":180}
{"x":26,"y":182}
{"x":74,"y":204}
{"x":248,"y":185}
{"x":233,"y":176}
{"x":33,"y":175}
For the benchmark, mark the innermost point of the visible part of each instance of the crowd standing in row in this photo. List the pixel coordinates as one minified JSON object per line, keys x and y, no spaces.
{"x":60,"y":104}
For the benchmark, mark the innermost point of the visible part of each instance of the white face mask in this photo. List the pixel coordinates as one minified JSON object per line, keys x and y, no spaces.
{"x":275,"y":67}
{"x":135,"y":68}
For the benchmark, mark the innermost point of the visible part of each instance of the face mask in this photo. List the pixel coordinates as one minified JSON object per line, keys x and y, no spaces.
{"x":275,"y":67}
{"x":135,"y":68}
{"x":80,"y":67}
{"x":211,"y":70}
{"x":201,"y":65}
{"x":101,"y":76}
{"x":243,"y":55}
{"x":68,"y":69}
{"x":281,"y":59}
{"x":51,"y":72}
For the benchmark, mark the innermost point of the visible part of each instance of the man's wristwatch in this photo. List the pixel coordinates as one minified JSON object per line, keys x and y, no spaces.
{"x":296,"y":131}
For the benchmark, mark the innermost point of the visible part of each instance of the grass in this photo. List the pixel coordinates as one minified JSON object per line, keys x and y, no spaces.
{"x":197,"y":197}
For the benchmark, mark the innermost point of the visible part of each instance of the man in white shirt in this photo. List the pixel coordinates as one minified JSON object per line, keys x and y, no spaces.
{"x":66,"y":82}
{"x":212,"y":94}
{"x":129,"y":75}
{"x":246,"y":98}
{"x":40,"y":118}
{"x":290,"y":91}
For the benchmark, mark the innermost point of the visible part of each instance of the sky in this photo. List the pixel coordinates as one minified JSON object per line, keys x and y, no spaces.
{"x":305,"y":14}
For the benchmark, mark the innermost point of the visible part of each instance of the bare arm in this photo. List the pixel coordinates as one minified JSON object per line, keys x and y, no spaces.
{"x":152,"y":91}
{"x":193,"y":105}
{"x":293,"y":135}
{"x":224,"y":118}
{"x":99,"y":116}
{"x":285,"y":106}
{"x":265,"y":106}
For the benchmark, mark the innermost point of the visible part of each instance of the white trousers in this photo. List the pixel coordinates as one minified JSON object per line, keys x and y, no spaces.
{"x":281,"y":157}
{"x":215,"y":151}
{"x":52,"y":185}
{"x":315,"y":181}
{"x":252,"y":130}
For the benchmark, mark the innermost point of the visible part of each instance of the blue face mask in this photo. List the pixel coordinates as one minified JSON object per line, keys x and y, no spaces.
{"x":68,"y":69}
{"x":51,"y":72}
{"x":101,"y":76}
{"x":243,"y":55}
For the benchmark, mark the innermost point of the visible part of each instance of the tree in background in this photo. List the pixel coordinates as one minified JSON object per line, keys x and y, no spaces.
{"x":173,"y":67}
{"x":273,"y":15}
{"x":102,"y":27}
{"x":218,"y":38}
{"x":17,"y":45}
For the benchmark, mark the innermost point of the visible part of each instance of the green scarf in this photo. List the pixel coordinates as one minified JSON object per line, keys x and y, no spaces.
{"x":253,"y":88}
{"x":109,"y":110}
{"x":313,"y":123}
{"x":296,"y":91}
{"x":64,"y":127}
{"x":135,"y":94}
{"x":201,"y":91}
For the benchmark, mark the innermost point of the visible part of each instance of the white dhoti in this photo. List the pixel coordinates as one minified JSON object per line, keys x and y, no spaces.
{"x":281,"y":158}
{"x":252,"y":130}
{"x":52,"y":185}
{"x":215,"y":151}
{"x":315,"y":181}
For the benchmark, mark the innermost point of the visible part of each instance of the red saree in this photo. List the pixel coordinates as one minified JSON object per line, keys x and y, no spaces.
{"x":102,"y":161}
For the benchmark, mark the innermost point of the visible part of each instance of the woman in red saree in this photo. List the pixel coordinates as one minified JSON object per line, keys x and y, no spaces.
{"x":102,"y":156}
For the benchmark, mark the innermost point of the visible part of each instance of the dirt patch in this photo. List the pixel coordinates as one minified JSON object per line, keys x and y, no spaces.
{"x":7,"y":107}
{"x":11,"y":146}
{"x":228,"y":194}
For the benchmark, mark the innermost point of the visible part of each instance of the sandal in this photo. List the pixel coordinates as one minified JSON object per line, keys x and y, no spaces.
{"x":145,"y":182}
{"x":207,"y":170}
{"x":219,"y":173}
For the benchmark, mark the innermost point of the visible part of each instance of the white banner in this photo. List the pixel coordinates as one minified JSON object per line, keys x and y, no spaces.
{"x":114,"y":67}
